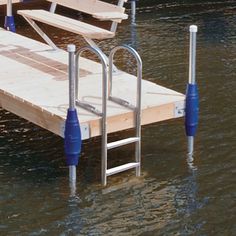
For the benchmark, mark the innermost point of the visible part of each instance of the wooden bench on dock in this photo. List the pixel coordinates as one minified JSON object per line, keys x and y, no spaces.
{"x":98,"y":9}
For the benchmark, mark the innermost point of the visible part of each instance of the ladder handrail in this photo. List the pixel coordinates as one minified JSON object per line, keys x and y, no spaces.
{"x":107,"y":95}
{"x":137,"y":108}
{"x":90,"y":108}
{"x":139,"y":70}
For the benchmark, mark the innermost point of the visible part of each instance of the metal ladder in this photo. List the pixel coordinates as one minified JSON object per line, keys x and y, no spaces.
{"x":107,"y":95}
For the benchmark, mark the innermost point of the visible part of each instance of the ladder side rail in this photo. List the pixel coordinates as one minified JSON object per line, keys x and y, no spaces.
{"x":138,"y":96}
{"x":102,"y":58}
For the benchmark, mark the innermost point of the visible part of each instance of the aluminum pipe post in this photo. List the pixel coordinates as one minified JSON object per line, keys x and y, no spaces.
{"x":72,"y":127}
{"x":9,"y":23}
{"x":133,"y":10}
{"x":192,"y":99}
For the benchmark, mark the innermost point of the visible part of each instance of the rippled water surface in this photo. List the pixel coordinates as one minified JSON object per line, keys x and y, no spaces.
{"x":174,"y":196}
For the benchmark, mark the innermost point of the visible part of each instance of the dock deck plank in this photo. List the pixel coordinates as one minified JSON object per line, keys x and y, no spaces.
{"x":34,"y":85}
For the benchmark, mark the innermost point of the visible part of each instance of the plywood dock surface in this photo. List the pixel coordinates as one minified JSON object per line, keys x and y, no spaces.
{"x":34,"y":85}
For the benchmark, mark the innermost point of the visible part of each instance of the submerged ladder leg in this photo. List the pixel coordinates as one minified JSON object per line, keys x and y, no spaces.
{"x":192,"y":97}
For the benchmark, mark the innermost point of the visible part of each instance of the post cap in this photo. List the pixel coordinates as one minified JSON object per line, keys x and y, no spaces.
{"x":193,"y":28}
{"x":71,"y":48}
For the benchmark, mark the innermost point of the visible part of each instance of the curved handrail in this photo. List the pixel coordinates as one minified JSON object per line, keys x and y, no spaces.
{"x":92,"y":109}
{"x":139,"y":71}
{"x":102,"y":58}
{"x":137,"y":108}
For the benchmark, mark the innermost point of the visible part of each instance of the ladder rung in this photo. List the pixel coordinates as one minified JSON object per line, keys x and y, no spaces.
{"x":122,"y":142}
{"x":121,"y":168}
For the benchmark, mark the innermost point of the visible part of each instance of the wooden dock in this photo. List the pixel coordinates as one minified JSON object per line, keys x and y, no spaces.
{"x":34,"y":86}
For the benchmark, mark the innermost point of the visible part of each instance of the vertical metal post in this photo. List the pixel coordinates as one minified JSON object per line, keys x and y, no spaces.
{"x":72,"y":128}
{"x":192,"y":106}
{"x":9,"y":7}
{"x":114,"y":24}
{"x":71,"y":50}
{"x":9,"y":19}
{"x":192,"y":54}
{"x":133,"y":10}
{"x":190,"y":144}
{"x":72,"y":179}
{"x":104,"y":122}
{"x":53,"y":7}
{"x":138,"y":113}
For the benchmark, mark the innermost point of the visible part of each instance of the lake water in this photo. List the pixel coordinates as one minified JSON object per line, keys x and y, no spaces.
{"x":174,"y":196}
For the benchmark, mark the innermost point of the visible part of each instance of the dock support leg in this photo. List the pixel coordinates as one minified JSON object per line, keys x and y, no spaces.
{"x":72,"y":127}
{"x":192,"y":98}
{"x":190,"y":145}
{"x":133,"y":10}
{"x":9,"y":18}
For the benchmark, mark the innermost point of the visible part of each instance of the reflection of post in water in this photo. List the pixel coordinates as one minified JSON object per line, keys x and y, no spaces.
{"x":190,"y":162}
{"x":133,"y":34}
{"x":191,"y":187}
{"x":133,"y":30}
{"x":186,"y":199}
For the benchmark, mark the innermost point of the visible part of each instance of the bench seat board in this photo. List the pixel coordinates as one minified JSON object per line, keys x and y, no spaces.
{"x":110,"y":16}
{"x":68,"y":24}
{"x":89,"y":6}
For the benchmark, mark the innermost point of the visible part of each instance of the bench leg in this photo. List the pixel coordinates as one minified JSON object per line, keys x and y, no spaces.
{"x":41,"y":33}
{"x":53,"y":7}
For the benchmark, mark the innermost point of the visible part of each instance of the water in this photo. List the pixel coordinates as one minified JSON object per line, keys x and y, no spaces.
{"x":175,"y":195}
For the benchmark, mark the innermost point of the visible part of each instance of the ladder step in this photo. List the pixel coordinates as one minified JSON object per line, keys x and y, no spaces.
{"x":122,"y":142}
{"x":121,"y":168}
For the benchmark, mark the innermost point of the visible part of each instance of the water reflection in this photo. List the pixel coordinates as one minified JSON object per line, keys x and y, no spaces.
{"x":190,"y":162}
{"x":210,"y":33}
{"x":186,"y":199}
{"x":134,"y":36}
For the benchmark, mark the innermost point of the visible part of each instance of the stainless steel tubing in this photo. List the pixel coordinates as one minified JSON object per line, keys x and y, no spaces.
{"x":138,"y":96}
{"x":133,"y":9}
{"x":9,"y":7}
{"x":192,"y":72}
{"x":71,"y":70}
{"x":104,"y":102}
{"x":190,"y":145}
{"x":72,"y":173}
{"x":192,"y":54}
